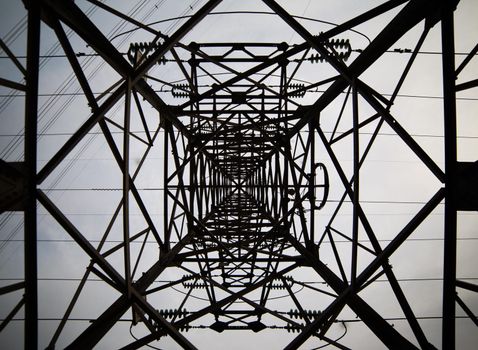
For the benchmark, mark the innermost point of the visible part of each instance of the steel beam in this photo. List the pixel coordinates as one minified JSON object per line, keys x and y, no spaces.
{"x":450,"y":133}
{"x":30,"y":203}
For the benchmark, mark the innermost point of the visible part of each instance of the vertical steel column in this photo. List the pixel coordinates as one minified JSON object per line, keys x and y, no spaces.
{"x":356,"y":157}
{"x":126,"y":179}
{"x":167,"y":234}
{"x":30,"y":218}
{"x":449,"y":107}
{"x":312,"y":190}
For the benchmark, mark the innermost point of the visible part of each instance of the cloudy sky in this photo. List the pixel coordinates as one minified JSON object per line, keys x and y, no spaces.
{"x":394,"y":183}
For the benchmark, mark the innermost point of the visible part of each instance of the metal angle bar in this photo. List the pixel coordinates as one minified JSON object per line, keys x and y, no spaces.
{"x":79,"y":238}
{"x":250,"y":302}
{"x":12,"y":314}
{"x":297,"y":200}
{"x":13,"y":57}
{"x":166,"y":228}
{"x":175,"y":37}
{"x":197,"y":314}
{"x":143,"y":119}
{"x":401,"y":236}
{"x":467,"y":310}
{"x":295,"y":25}
{"x":200,"y":147}
{"x":126,"y":187}
{"x":348,"y":190}
{"x":70,"y":14}
{"x":373,"y":279}
{"x":106,"y":279}
{"x":12,"y":287}
{"x":123,"y":16}
{"x":108,"y":229}
{"x":294,"y":50}
{"x":167,"y":285}
{"x":103,"y":323}
{"x":350,"y":131}
{"x":350,"y":240}
{"x":140,"y":254}
{"x":336,"y":255}
{"x":328,"y":323}
{"x":221,"y":86}
{"x":296,"y":69}
{"x":408,"y":17}
{"x":367,"y":94}
{"x":450,"y":142}
{"x":79,"y":134}
{"x":296,"y":301}
{"x":82,"y":283}
{"x":209,"y":289}
{"x":383,"y":330}
{"x":316,"y":289}
{"x":12,"y":84}
{"x":407,"y":310}
{"x":119,"y":160}
{"x":356,"y":186}
{"x":174,"y":149}
{"x":336,"y":343}
{"x":180,"y":64}
{"x":410,"y":62}
{"x":467,"y":59}
{"x":364,"y":17}
{"x":170,"y":329}
{"x":276,"y":147}
{"x":467,"y":285}
{"x":88,"y":269}
{"x":386,"y":268}
{"x":234,"y":296}
{"x":30,"y":201}
{"x":71,"y":56}
{"x":112,"y":122}
{"x":468,"y":85}
{"x":109,"y":89}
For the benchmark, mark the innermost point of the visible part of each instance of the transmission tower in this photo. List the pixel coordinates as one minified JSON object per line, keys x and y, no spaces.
{"x":230,"y":208}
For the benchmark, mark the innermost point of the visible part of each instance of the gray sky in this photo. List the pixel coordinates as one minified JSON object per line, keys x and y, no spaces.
{"x":395,"y":184}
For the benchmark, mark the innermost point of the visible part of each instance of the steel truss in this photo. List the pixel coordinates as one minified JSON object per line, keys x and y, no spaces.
{"x":243,"y":176}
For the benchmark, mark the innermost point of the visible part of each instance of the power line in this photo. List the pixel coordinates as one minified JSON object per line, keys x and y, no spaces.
{"x":324,"y":242}
{"x":72,"y":279}
{"x":310,"y":91}
{"x":161,"y":130}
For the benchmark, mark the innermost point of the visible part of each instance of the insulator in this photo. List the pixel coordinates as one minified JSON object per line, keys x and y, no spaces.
{"x":195,"y":285}
{"x":178,"y":90}
{"x":143,"y":47}
{"x":313,"y":313}
{"x":294,"y":92}
{"x":344,"y":45}
{"x":343,"y":55}
{"x":185,"y":328}
{"x":278,"y":286}
{"x":292,"y":328}
{"x":295,"y":314}
{"x":170,"y":313}
{"x":316,"y":58}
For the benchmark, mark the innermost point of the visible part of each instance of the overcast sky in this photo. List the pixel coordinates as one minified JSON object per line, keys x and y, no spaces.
{"x":394,"y":183}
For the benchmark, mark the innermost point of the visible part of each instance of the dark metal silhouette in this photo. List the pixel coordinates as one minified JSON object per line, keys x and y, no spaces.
{"x":242,"y":178}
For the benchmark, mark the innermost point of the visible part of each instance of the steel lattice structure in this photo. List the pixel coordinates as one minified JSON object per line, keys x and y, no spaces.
{"x":246,"y":165}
